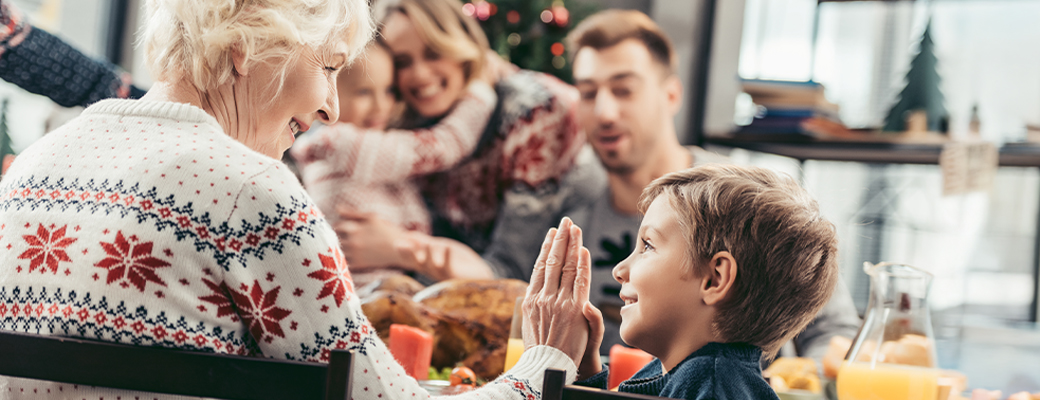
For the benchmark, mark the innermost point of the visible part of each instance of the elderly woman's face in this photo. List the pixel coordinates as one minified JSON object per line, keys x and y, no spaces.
{"x":308,"y":94}
{"x":430,"y":83}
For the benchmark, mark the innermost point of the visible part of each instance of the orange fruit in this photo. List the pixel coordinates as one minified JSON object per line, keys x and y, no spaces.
{"x":462,"y":376}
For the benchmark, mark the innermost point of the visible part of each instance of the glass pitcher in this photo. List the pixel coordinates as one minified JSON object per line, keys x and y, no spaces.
{"x":893,"y":355}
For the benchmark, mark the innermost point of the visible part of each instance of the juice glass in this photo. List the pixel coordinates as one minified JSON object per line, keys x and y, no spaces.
{"x":516,"y":338}
{"x":859,"y":380}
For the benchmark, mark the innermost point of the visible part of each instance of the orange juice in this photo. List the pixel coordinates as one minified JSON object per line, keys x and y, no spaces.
{"x":513,"y":352}
{"x":858,"y":381}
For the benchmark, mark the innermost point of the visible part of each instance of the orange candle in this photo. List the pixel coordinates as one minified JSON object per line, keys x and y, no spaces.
{"x":625,"y":362}
{"x":412,"y":348}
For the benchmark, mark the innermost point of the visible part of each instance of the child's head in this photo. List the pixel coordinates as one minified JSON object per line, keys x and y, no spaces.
{"x":740,"y":250}
{"x":366,"y":96}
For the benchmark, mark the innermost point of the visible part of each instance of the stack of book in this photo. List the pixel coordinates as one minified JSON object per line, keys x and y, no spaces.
{"x":789,"y":108}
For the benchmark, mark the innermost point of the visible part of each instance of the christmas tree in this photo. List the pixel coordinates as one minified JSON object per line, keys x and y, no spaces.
{"x":921,"y":91}
{"x":530,"y":33}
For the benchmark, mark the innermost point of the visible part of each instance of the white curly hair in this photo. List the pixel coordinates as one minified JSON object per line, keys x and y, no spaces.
{"x":194,"y":39}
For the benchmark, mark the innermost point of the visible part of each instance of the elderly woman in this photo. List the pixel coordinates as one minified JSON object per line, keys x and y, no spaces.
{"x":514,"y":186}
{"x":169,"y":221}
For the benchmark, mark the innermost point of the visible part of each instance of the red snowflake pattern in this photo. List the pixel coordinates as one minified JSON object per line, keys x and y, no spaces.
{"x":335,"y":275}
{"x":131,"y":261}
{"x":259,"y":312}
{"x":219,"y":297}
{"x":47,"y":248}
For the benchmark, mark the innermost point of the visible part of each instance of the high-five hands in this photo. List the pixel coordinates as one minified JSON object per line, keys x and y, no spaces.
{"x":554,"y":308}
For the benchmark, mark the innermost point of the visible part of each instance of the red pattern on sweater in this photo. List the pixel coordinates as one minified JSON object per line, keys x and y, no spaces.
{"x":539,"y":146}
{"x":47,"y":247}
{"x":129,"y":189}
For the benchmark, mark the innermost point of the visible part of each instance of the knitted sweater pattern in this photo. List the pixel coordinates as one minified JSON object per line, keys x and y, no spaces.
{"x":532,"y":139}
{"x":143,"y":223}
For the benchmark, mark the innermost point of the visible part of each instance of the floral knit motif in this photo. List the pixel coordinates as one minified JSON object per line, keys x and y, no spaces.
{"x":142,"y":223}
{"x":47,"y":247}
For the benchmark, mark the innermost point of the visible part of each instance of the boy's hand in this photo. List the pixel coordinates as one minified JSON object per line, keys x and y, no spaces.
{"x":559,"y":290}
{"x":590,"y":362}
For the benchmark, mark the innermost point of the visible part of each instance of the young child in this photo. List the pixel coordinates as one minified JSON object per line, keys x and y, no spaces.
{"x":357,"y":164}
{"x":731,"y":262}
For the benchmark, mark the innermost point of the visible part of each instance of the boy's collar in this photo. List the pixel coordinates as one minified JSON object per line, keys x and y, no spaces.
{"x":740,"y":351}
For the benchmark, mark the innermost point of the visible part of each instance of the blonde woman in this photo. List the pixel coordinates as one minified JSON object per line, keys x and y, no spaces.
{"x":169,"y":221}
{"x":501,"y":198}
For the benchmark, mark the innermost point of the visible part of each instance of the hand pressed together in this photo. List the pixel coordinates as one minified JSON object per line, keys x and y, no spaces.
{"x":558,"y":294}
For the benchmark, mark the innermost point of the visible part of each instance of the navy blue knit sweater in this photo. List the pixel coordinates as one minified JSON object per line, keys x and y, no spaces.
{"x":719,"y":371}
{"x":44,"y":64}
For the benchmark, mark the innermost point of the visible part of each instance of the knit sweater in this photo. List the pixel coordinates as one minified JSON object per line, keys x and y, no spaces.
{"x":717,"y":371}
{"x":143,"y":223}
{"x":530,"y":143}
{"x":368,"y":170}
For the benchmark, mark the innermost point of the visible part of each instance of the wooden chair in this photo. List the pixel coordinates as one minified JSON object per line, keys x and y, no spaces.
{"x":169,"y":371}
{"x":554,"y":389}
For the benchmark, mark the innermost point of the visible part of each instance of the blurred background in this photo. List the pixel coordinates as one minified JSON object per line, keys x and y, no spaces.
{"x":886,"y":199}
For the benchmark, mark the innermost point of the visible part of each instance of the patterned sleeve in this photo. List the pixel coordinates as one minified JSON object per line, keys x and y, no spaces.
{"x":289,"y":284}
{"x":369,"y":156}
{"x":43,"y":64}
{"x":543,"y":146}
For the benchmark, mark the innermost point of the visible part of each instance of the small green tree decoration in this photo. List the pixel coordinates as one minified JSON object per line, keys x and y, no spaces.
{"x":530,"y":33}
{"x":921,"y":91}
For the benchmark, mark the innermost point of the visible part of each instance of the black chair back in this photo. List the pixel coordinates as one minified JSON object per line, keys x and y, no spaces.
{"x":169,"y":371}
{"x":554,"y":389}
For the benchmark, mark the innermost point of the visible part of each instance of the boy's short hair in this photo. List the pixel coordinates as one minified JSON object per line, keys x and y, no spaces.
{"x":786,"y":252}
{"x":610,"y":27}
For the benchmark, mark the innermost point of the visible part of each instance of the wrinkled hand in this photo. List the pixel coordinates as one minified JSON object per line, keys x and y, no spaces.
{"x":369,"y":242}
{"x":558,"y":293}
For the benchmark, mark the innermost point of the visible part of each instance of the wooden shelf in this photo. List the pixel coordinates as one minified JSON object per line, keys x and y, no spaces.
{"x":1011,"y":155}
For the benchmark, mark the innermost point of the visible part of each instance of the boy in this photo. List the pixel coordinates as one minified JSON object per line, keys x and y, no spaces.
{"x":730,"y":263}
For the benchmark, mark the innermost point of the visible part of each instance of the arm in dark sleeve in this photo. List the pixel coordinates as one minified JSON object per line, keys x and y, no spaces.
{"x":44,"y":64}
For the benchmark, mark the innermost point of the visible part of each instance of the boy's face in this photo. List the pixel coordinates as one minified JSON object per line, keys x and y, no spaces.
{"x":661,"y":297}
{"x":366,"y":95}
